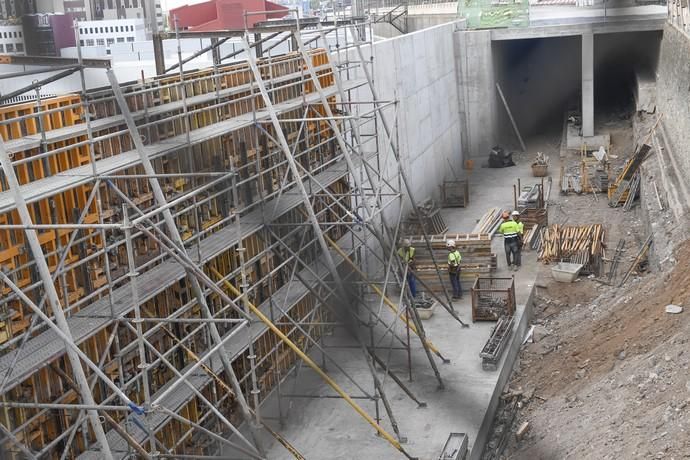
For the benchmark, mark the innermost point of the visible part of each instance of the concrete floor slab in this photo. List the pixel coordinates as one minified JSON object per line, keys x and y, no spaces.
{"x":323,"y":427}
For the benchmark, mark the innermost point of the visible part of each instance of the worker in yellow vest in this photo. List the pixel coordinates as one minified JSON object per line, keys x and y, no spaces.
{"x":406,"y":254}
{"x":454,"y":259}
{"x":515,"y":215}
{"x":511,"y":231}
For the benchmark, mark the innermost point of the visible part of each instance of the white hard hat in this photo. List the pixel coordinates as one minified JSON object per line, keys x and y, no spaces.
{"x":450,"y":243}
{"x":516,"y":213}
{"x":406,"y":242}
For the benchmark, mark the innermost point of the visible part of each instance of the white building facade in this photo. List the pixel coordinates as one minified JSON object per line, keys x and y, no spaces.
{"x":111,"y":31}
{"x":11,"y":39}
{"x":134,"y":9}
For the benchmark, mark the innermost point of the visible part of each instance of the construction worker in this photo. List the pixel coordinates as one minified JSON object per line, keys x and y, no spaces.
{"x":511,"y":240}
{"x":406,"y":254}
{"x":454,"y":259}
{"x":521,"y":225}
{"x":521,"y":230}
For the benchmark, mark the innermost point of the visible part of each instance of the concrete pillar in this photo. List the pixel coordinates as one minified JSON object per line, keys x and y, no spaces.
{"x":588,"y":84}
{"x":476,"y":91}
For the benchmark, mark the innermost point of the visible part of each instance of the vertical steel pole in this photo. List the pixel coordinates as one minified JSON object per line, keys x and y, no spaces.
{"x":143,"y":365}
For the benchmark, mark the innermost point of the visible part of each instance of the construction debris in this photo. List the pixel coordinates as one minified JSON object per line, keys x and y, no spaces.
{"x":500,"y":431}
{"x":614,"y":262}
{"x":619,"y":190}
{"x":499,"y":158}
{"x":530,"y":196}
{"x":674,"y":309}
{"x":540,"y":165}
{"x":633,"y":191}
{"x":522,"y":430}
{"x":493,"y":298}
{"x":432,"y":222}
{"x":493,"y":349}
{"x":455,"y":194}
{"x":455,"y":447}
{"x":641,"y":256}
{"x":576,"y":244}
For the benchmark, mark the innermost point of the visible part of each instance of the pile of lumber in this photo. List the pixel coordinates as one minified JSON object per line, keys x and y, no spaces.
{"x":531,"y":236}
{"x":475,"y":250}
{"x":633,"y":191}
{"x":622,"y":187}
{"x":432,"y":222}
{"x":576,"y":244}
{"x":489,"y":222}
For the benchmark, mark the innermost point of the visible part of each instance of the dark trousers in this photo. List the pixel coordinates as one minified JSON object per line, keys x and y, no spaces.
{"x":512,"y":247}
{"x":455,"y":282}
{"x":411,"y":282}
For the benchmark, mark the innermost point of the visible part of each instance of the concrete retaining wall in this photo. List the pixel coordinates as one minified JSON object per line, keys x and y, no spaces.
{"x":673,"y":93}
{"x":418,"y":71}
{"x":477,"y":97}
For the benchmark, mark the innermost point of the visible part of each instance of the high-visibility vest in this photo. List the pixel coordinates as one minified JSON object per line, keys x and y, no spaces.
{"x":454,"y":258}
{"x":521,"y":227}
{"x":509,"y":229}
{"x":408,"y":255}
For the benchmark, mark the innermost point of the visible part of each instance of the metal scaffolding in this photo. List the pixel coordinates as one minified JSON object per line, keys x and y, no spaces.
{"x":174,"y":248}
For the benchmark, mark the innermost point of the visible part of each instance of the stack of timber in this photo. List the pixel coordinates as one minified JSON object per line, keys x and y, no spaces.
{"x":633,"y":191}
{"x":531,"y":235}
{"x":432,"y":222}
{"x":619,"y":190}
{"x":489,"y":222}
{"x":477,"y":259}
{"x":534,"y":219}
{"x":576,"y":244}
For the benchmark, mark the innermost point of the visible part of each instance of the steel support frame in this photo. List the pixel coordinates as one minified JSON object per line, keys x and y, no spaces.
{"x":147,"y":228}
{"x":177,"y":238}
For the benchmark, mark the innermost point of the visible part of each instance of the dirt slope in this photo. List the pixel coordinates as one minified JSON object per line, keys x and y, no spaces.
{"x":608,"y":377}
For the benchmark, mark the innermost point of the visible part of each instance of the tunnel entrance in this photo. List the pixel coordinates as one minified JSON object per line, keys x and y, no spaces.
{"x":539,"y":77}
{"x":542,"y":79}
{"x":615,"y":65}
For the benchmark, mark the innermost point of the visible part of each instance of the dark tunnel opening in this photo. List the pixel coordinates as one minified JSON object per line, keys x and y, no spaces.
{"x":541,"y":79}
{"x":615,"y":67}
